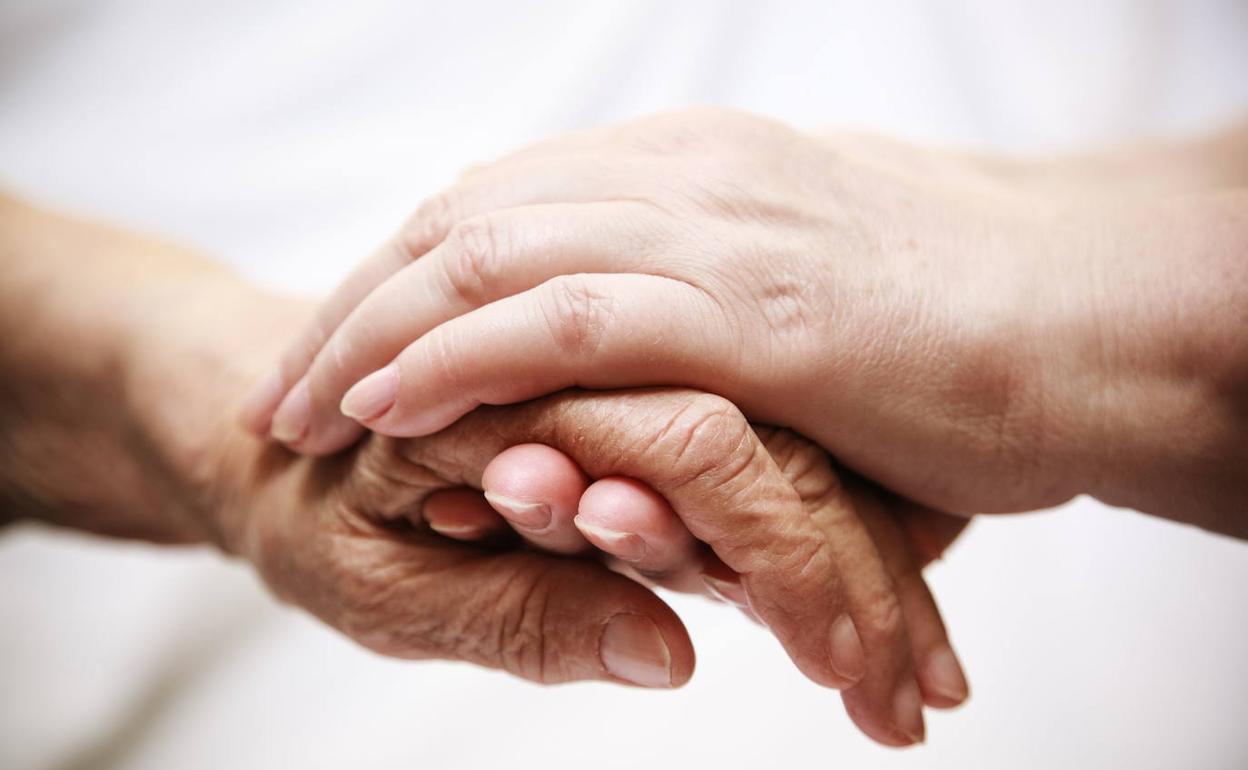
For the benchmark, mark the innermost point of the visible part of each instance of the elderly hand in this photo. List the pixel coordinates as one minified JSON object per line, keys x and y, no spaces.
{"x":969,"y":341}
{"x":825,"y":566}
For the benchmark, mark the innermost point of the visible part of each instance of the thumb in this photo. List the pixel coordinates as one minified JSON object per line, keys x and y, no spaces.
{"x":551,"y":620}
{"x":544,"y":618}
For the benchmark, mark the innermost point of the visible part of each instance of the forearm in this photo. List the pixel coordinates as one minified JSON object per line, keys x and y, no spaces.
{"x":1122,"y":311}
{"x":119,"y":354}
{"x":1218,"y":161}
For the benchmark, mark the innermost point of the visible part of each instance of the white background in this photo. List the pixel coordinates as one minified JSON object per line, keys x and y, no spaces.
{"x":288,"y":137}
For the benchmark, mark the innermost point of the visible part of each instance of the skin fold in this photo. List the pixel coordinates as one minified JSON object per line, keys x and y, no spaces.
{"x":126,"y":359}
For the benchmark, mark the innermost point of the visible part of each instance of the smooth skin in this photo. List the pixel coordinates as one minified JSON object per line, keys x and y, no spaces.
{"x":125,"y":358}
{"x":972,"y":334}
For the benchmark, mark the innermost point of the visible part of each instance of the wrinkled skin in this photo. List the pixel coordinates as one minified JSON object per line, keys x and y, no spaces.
{"x":976,"y":335}
{"x":367,"y":565}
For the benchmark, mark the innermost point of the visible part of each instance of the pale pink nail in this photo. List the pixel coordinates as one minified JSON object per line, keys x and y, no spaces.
{"x":632,"y":649}
{"x":534,"y":516}
{"x":908,"y":711}
{"x":623,"y":545}
{"x":943,"y":675}
{"x":372,"y":396}
{"x":848,"y":659}
{"x":290,"y":422}
{"x":456,"y":531}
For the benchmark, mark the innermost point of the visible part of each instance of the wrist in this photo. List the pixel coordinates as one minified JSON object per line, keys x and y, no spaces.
{"x":121,"y":360}
{"x":1145,"y":371}
{"x":196,"y":348}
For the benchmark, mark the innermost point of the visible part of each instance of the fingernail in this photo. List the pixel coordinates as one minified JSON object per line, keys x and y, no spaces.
{"x":848,"y":659}
{"x":372,"y":396}
{"x":623,"y":545}
{"x":528,"y":515}
{"x":290,"y":422}
{"x":632,"y":649}
{"x":944,"y":676}
{"x":261,"y":400}
{"x":908,"y":711}
{"x":456,"y":531}
{"x":726,"y":590}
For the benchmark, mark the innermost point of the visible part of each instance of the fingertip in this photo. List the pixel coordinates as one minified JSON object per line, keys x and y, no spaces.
{"x":258,"y":406}
{"x":647,"y":647}
{"x":629,"y":520}
{"x":331,"y":438}
{"x":626,"y":546}
{"x":634,"y":650}
{"x":604,"y":626}
{"x":848,"y":659}
{"x":882,"y":728}
{"x":461,"y":514}
{"x":622,"y":504}
{"x":293,"y":415}
{"x":536,"y":488}
{"x":534,"y":474}
{"x":942,"y":679}
{"x":372,"y":397}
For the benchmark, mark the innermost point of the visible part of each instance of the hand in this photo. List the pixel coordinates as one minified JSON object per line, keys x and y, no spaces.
{"x":323,"y":533}
{"x":550,"y":502}
{"x":116,"y":417}
{"x":937,"y":327}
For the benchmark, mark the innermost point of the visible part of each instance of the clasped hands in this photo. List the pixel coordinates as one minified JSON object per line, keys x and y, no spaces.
{"x":655,"y":301}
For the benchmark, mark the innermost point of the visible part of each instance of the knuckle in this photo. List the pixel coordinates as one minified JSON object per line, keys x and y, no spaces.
{"x":430,"y":224}
{"x":803,"y":464}
{"x":786,"y":305}
{"x":474,"y":262}
{"x":440,"y":361}
{"x":708,"y":439}
{"x":577,"y":314}
{"x":806,"y":565}
{"x":882,"y":616}
{"x":391,"y":477}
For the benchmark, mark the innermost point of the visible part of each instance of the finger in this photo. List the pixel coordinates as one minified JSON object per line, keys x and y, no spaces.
{"x":622,"y":517}
{"x":911,"y":536}
{"x":628,"y":520}
{"x":869,"y":633}
{"x":591,"y":331}
{"x":484,"y":258}
{"x":537,"y":489}
{"x":489,"y":189}
{"x":699,"y":453}
{"x":462,"y":514}
{"x":938,"y":672}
